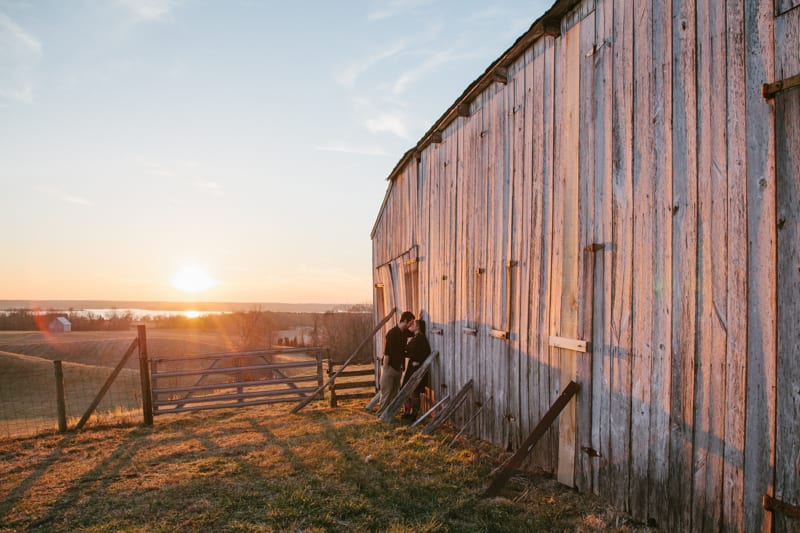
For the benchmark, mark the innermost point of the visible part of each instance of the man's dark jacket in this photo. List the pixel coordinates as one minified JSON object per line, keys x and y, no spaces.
{"x":396,"y":346}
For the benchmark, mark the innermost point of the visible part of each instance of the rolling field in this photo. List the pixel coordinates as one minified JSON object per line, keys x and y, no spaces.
{"x":27,"y":384}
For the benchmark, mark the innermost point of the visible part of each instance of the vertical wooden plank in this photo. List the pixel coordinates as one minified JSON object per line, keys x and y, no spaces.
{"x":713,"y":244}
{"x":660,"y":376}
{"x":684,"y":263}
{"x":423,"y":239}
{"x":548,"y":378}
{"x":643,"y":241}
{"x":497,"y":173}
{"x":735,"y":392}
{"x":454,"y":183}
{"x":473,"y":218}
{"x":494,"y":252}
{"x":477,"y":181}
{"x":787,"y":159}
{"x":523,"y":217}
{"x":464,"y":245}
{"x":519,"y":218}
{"x":584,"y":475}
{"x":619,"y":452}
{"x":701,"y":462}
{"x":540,"y":98}
{"x":567,"y":256}
{"x":555,"y":280}
{"x":601,"y":314}
{"x":437,"y":257}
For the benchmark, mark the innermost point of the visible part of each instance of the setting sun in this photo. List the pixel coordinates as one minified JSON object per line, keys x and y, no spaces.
{"x":192,"y":279}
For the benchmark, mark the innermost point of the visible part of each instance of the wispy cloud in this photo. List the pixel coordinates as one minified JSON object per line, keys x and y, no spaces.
{"x":211,"y":187}
{"x":19,"y":53}
{"x":392,"y":8}
{"x":350,"y":74}
{"x":148,"y":10}
{"x":356,"y":149}
{"x":482,"y":15}
{"x":389,"y":122}
{"x":64,"y":196}
{"x":430,"y":64}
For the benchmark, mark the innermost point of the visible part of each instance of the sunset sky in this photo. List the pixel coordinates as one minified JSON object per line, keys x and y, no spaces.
{"x":228,"y":151}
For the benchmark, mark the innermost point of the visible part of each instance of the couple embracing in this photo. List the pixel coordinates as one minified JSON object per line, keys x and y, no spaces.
{"x":406,"y":340}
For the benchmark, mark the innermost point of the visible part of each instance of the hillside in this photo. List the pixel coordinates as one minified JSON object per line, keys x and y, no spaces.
{"x":28,"y":392}
{"x":105,"y":348}
{"x":261,"y":469}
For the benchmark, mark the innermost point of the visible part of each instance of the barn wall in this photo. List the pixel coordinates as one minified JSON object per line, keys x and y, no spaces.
{"x":620,"y":187}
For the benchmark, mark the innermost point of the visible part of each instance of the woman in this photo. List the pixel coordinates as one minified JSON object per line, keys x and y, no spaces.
{"x":417,"y":350}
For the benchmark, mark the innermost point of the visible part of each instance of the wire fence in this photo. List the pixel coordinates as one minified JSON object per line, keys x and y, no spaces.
{"x":29,"y":394}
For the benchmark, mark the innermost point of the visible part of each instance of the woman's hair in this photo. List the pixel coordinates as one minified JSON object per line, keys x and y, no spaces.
{"x":421,"y":325}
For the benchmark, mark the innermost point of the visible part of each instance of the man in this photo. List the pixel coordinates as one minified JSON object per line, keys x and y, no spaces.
{"x":394,"y":357}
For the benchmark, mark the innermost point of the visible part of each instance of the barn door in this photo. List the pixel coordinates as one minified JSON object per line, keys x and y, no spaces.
{"x":787,"y":154}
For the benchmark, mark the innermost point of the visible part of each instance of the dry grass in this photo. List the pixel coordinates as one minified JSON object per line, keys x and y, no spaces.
{"x":262,"y":469}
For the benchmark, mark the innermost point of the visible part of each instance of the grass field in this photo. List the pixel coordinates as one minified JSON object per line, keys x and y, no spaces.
{"x":27,"y":383}
{"x":262,"y":469}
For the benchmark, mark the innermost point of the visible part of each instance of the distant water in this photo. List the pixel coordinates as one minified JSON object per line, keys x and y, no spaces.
{"x":135,"y":314}
{"x":138,"y":314}
{"x":165,"y":308}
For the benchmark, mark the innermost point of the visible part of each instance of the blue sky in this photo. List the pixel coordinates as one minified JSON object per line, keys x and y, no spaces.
{"x":243,"y":143}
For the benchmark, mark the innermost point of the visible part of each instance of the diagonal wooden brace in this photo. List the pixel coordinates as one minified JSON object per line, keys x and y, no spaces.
{"x":508,"y":468}
{"x":344,"y":365}
{"x":448,"y":411}
{"x":387,"y":412}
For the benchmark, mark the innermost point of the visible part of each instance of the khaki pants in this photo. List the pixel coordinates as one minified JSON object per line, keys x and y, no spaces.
{"x":390,"y":385}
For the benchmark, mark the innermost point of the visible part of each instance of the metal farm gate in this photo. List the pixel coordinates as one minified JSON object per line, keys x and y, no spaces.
{"x":237,"y":379}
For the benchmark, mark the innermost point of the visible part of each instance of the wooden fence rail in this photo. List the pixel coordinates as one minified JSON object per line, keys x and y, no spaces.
{"x":234,"y":379}
{"x":349,"y":360}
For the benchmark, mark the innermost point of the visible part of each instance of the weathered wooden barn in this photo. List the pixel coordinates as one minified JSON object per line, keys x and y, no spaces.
{"x":616,"y":201}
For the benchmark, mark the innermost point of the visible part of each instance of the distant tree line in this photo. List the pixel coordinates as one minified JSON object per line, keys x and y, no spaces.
{"x":341,"y":331}
{"x":28,"y":320}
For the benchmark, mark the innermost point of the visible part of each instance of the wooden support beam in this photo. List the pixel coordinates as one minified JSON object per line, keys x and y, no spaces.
{"x":436,"y":137}
{"x":419,"y":420}
{"x":462,"y":109}
{"x":777,"y":506}
{"x":576,"y":345}
{"x":448,"y":411}
{"x":107,"y":384}
{"x":769,"y":90}
{"x":500,"y":75}
{"x":387,"y":413}
{"x":471,"y":419}
{"x":499,"y":334}
{"x":508,"y":468}
{"x":368,"y":338}
{"x":469,"y":331}
{"x":551,"y":28}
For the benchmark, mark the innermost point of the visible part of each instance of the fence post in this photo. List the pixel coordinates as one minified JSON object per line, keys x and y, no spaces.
{"x":333,"y":383}
{"x":62,"y":405}
{"x":144,"y":374}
